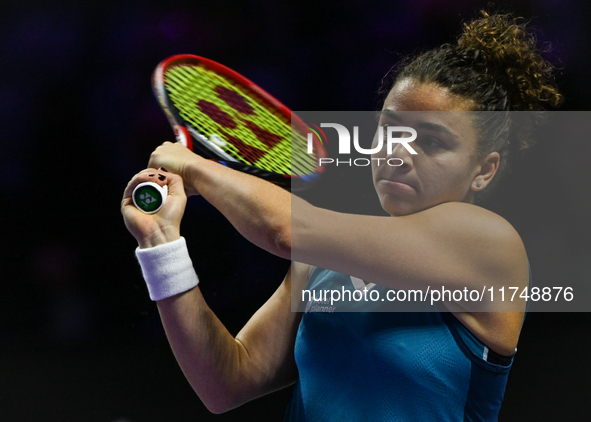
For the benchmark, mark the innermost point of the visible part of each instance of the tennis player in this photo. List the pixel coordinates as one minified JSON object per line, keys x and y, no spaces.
{"x":400,"y":366}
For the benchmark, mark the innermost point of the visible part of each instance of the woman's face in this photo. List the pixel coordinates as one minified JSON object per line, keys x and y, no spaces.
{"x":446,"y":167}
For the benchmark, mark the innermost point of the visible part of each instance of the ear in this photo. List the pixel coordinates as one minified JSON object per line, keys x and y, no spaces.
{"x":488,"y":168}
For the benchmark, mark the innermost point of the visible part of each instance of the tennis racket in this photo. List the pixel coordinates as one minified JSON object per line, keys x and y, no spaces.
{"x":221,"y":115}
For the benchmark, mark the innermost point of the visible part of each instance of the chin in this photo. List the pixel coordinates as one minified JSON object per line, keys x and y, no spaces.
{"x":397,"y":208}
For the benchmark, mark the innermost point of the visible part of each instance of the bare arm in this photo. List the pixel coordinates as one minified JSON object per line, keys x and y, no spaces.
{"x":260,"y":211}
{"x":224,"y":371}
{"x":455,"y":245}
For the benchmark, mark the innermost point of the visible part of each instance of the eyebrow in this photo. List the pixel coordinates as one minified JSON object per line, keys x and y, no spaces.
{"x":435,"y":127}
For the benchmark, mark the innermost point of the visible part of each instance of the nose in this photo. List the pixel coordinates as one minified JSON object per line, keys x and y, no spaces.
{"x":401,"y":154}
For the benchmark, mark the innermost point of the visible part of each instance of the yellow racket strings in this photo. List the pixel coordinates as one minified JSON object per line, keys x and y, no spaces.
{"x":254,"y":132}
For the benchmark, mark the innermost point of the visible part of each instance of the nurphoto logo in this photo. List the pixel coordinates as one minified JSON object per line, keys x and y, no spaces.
{"x":392,"y":135}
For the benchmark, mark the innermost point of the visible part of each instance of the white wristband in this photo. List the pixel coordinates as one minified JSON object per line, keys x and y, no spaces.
{"x":167,"y":269}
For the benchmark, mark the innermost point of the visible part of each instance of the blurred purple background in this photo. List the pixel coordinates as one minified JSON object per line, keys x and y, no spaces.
{"x":79,"y":338}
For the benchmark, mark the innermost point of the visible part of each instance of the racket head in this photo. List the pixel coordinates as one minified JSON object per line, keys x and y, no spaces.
{"x":221,"y":115}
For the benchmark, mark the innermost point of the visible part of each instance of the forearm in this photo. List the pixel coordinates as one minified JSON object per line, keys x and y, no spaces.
{"x":260,"y":211}
{"x":206,"y":352}
{"x":225,"y":371}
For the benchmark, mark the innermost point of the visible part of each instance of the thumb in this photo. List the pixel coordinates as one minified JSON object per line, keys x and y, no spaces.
{"x":174,"y":182}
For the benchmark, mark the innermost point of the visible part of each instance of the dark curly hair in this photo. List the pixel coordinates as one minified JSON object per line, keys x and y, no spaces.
{"x":496,"y":65}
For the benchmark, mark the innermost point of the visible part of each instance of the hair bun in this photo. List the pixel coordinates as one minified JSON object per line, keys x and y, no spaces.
{"x":507,"y":51}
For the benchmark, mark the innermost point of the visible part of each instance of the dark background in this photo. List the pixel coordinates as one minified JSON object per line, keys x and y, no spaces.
{"x":79,"y":338}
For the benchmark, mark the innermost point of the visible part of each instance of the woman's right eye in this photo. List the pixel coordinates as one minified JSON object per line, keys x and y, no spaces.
{"x":429,"y":142}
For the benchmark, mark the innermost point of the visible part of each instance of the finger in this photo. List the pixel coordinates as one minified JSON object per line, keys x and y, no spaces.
{"x":175,"y":184}
{"x":147,"y":175}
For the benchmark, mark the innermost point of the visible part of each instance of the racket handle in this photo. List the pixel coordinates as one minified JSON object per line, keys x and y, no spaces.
{"x":149,"y":197}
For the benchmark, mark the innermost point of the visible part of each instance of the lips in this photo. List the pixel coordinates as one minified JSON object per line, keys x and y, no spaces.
{"x":396,"y":186}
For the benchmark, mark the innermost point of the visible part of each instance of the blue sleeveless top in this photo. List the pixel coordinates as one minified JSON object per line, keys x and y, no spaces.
{"x":390,"y":366}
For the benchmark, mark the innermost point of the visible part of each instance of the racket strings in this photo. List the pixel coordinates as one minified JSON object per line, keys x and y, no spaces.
{"x":210,"y":117}
{"x":255,"y":133}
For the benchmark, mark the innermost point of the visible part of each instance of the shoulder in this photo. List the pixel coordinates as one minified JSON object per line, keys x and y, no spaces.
{"x":472,"y":217}
{"x":477,"y":225}
{"x":486,"y":239}
{"x":497,"y":248}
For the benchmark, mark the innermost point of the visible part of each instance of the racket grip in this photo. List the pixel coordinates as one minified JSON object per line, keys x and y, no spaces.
{"x":149,"y":197}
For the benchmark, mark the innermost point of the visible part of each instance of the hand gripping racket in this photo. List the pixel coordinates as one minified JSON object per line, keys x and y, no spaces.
{"x":223,"y":116}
